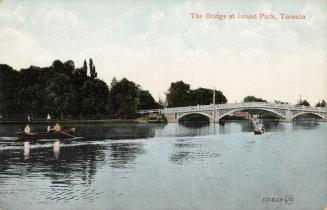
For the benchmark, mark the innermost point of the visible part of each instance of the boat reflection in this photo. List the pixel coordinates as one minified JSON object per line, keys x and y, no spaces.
{"x":26,"y":150}
{"x":70,"y":162}
{"x":56,"y":149}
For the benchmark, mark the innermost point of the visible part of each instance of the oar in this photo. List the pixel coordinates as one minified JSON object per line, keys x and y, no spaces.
{"x":66,"y":134}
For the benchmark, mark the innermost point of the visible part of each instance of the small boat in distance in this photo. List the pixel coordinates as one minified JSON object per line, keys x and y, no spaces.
{"x":259,"y":130}
{"x":258,"y":126}
{"x":52,"y":134}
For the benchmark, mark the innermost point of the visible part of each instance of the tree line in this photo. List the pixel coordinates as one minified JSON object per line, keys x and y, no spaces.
{"x":299,"y":103}
{"x":180,"y":94}
{"x":65,"y":90}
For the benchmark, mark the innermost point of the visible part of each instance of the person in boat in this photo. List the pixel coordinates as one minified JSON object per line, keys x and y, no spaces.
{"x":56,"y":127}
{"x":27,"y":129}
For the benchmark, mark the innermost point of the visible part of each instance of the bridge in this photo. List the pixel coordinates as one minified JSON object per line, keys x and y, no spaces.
{"x":218,"y":111}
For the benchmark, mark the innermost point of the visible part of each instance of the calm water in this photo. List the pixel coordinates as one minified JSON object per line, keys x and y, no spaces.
{"x":196,"y":166}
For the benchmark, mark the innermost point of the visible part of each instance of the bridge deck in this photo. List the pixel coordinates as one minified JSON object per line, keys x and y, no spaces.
{"x":236,"y":106}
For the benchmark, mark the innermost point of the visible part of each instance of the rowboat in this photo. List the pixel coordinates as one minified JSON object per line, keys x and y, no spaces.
{"x":61,"y":134}
{"x":259,"y":130}
{"x":258,"y":126}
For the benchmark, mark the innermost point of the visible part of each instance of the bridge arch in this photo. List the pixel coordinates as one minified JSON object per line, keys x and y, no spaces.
{"x":193,"y":113}
{"x":250,"y":108}
{"x":311,"y":113}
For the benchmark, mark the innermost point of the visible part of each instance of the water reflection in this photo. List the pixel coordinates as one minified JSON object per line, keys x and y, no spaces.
{"x":70,"y":167}
{"x":195,"y":125}
{"x":123,"y":154}
{"x":188,"y":149}
{"x":309,"y":125}
{"x":177,"y":158}
{"x":56,"y":149}
{"x":73,"y":162}
{"x":26,"y":150}
{"x":115,"y":132}
{"x":246,"y":126}
{"x":249,"y":146}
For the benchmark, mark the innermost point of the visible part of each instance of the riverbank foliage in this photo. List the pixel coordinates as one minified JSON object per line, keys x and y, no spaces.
{"x":64,"y":90}
{"x":253,"y":99}
{"x":321,"y":104}
{"x":180,"y":94}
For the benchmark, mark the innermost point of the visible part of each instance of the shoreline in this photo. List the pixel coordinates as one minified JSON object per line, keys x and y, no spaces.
{"x":108,"y":121}
{"x":128,"y":121}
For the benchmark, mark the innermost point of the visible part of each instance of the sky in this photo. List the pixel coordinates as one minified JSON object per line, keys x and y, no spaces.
{"x":154,"y":43}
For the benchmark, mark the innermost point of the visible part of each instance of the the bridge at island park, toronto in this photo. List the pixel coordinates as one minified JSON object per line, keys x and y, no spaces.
{"x":215,"y":112}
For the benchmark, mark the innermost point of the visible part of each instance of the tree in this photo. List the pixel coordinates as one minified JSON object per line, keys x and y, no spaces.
{"x":124,"y":98}
{"x":32,"y":90}
{"x":58,"y":66}
{"x":84,"y":68}
{"x":9,"y":87}
{"x":80,"y":74}
{"x":95,"y":97}
{"x":280,"y":102}
{"x":114,"y":81}
{"x":178,"y":94}
{"x":304,"y":103}
{"x":321,"y":104}
{"x":146,"y":101}
{"x":93,"y":73}
{"x":69,"y":67}
{"x":205,"y":96}
{"x":253,"y":99}
{"x":63,"y":90}
{"x":59,"y":93}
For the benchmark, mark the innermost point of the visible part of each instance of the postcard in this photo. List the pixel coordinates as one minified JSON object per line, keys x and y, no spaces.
{"x":157,"y":105}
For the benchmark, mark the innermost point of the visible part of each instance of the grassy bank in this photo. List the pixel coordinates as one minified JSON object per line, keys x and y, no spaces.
{"x":152,"y":118}
{"x":72,"y":121}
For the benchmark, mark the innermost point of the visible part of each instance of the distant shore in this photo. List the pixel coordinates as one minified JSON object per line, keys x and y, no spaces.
{"x":106,"y":121}
{"x":123,"y":121}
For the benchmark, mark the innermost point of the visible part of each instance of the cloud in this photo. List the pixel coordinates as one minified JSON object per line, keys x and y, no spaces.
{"x":162,"y":41}
{"x":59,"y":16}
{"x":15,"y":14}
{"x":21,"y":49}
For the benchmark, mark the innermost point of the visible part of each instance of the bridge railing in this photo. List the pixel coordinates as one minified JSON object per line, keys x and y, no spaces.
{"x":149,"y":111}
{"x":234,"y":105}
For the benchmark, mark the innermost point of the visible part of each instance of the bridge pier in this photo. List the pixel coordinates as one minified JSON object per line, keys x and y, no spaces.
{"x":171,"y":117}
{"x":213,"y":120}
{"x":288,"y":115}
{"x":285,"y":120}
